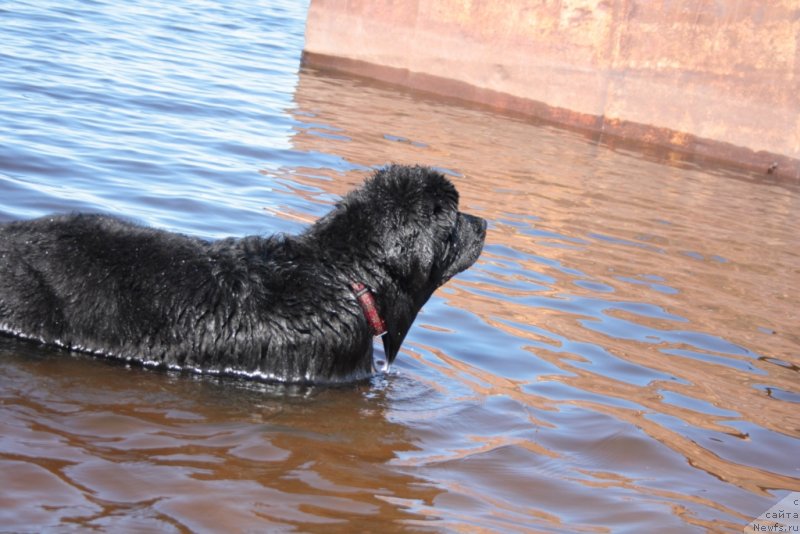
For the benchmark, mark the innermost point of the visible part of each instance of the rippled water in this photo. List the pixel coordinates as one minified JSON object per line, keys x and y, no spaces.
{"x":624,"y":356}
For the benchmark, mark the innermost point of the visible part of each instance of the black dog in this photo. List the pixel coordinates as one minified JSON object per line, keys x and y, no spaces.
{"x":291,"y":308}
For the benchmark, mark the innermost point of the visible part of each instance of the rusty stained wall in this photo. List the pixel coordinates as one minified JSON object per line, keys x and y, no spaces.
{"x":716,"y":77}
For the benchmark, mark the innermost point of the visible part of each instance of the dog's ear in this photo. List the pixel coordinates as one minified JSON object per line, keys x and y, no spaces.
{"x":398,"y":318}
{"x":411,"y":211}
{"x":403,"y":303}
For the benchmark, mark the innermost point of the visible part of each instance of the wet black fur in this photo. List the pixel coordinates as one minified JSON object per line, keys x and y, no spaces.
{"x":277,"y":307}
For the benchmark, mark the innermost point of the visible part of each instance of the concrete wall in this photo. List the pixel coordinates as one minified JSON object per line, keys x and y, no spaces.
{"x":718,"y":78}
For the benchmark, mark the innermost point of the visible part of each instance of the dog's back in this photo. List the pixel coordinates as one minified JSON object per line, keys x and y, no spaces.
{"x":94,"y":283}
{"x":69,"y":279}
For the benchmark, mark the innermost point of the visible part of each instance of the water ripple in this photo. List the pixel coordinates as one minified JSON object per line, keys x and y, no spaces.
{"x":624,"y":355}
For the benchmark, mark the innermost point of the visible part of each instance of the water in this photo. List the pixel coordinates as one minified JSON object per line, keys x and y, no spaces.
{"x":623,"y":357}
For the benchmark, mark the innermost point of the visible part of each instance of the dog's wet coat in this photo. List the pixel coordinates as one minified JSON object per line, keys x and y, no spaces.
{"x":279,"y":307}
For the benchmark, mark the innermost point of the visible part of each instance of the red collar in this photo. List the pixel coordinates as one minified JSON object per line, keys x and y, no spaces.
{"x":367,"y":301}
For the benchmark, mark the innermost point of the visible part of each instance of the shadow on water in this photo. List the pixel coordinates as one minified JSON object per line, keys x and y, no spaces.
{"x":95,"y":444}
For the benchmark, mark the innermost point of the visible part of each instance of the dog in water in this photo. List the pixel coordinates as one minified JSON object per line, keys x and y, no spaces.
{"x":298,"y":308}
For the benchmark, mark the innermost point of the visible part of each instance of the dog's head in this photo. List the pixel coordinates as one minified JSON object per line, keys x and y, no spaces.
{"x":407,"y":238}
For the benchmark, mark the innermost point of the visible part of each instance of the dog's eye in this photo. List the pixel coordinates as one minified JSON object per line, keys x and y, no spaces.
{"x":437,"y":210}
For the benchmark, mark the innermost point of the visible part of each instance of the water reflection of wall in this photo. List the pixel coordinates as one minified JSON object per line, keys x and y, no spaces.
{"x":524,"y":178}
{"x":609,"y":264}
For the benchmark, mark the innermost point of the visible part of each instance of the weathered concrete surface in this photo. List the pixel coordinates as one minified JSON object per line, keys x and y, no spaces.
{"x":717,"y":78}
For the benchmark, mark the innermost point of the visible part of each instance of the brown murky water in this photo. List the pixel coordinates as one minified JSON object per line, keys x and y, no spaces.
{"x":624,"y":357}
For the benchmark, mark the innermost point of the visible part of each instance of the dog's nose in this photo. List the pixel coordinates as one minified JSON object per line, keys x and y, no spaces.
{"x":478,"y":223}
